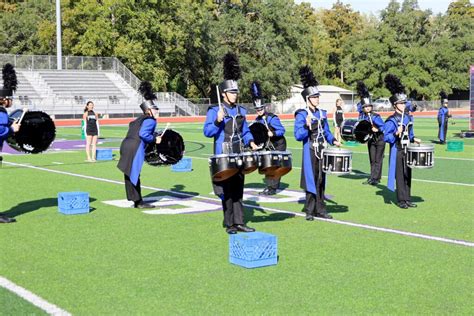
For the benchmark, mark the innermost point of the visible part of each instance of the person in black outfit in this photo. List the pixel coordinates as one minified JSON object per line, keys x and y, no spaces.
{"x":91,"y":125}
{"x":338,"y":118}
{"x":132,"y":150}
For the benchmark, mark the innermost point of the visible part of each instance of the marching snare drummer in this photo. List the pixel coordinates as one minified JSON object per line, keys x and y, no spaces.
{"x":6,"y":100}
{"x":275,"y":133}
{"x":398,"y":132}
{"x":312,"y":128}
{"x":376,"y":143}
{"x":132,"y":150}
{"x":443,"y":116}
{"x":226,"y":123}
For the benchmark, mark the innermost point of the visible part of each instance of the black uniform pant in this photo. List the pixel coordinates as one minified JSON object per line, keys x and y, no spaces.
{"x":231,"y":192}
{"x":403,"y":177}
{"x":376,"y":147}
{"x":445,"y":130}
{"x":314,"y":203}
{"x":134,"y":192}
{"x":272,"y":183}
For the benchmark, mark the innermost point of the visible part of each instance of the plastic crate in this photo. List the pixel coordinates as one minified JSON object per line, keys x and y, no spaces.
{"x":103,"y":154}
{"x":73,"y":202}
{"x":253,"y":250}
{"x":455,"y":145}
{"x":184,"y":165}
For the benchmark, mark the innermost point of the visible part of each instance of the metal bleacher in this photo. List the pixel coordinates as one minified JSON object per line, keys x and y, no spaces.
{"x":104,"y":80}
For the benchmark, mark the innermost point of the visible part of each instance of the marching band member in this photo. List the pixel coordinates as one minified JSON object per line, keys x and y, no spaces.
{"x":275,"y":133}
{"x":376,"y":143}
{"x":6,"y":100}
{"x":312,"y":128}
{"x":443,"y":117}
{"x":227,"y":124}
{"x":132,"y":150}
{"x":398,"y":132}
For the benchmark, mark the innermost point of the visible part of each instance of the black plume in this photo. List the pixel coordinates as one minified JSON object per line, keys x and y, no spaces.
{"x":393,"y":84}
{"x":362,"y":90}
{"x":231,"y":67}
{"x":9,"y":77}
{"x":443,"y":95}
{"x":256,"y":90}
{"x":307,"y":77}
{"x":146,"y":90}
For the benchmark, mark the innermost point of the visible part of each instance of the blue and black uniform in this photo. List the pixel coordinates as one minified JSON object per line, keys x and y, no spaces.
{"x":375,"y":146}
{"x":278,"y":141}
{"x":91,"y":124}
{"x":399,"y":174}
{"x":132,"y":154}
{"x":314,"y":141}
{"x":5,"y":128}
{"x":230,"y":136}
{"x":443,"y":116}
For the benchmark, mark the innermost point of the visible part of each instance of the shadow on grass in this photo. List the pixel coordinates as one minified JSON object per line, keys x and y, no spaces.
{"x":176,"y":191}
{"x":262,"y":185}
{"x":31,"y":206}
{"x":252,"y":208}
{"x":390,"y":197}
{"x":355,"y":175}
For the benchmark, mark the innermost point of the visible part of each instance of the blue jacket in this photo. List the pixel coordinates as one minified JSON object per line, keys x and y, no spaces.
{"x":5,"y":128}
{"x":274,"y":122}
{"x":376,"y":120}
{"x":212,"y":128}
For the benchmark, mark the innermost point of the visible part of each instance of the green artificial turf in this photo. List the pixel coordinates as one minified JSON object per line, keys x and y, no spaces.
{"x":122,"y":261}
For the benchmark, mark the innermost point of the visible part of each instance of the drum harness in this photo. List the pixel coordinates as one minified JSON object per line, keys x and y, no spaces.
{"x":317,"y":145}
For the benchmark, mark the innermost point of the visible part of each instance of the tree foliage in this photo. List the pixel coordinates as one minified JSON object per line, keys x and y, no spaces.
{"x":178,"y":45}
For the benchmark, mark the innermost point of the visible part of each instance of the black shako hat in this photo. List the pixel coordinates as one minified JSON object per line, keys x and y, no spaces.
{"x":310,"y":84}
{"x":146,"y":90}
{"x":396,"y":88}
{"x":10,"y":81}
{"x":363,"y":93}
{"x":232,"y":73}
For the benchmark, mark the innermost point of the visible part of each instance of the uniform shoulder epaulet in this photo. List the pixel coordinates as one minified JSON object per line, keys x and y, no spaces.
{"x":271,"y":115}
{"x":2,"y":109}
{"x":213,"y":107}
{"x":242,"y":108}
{"x":299,"y":111}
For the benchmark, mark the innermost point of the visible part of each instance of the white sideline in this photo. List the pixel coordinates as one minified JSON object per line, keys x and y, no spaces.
{"x":369,"y":227}
{"x":34,"y":299}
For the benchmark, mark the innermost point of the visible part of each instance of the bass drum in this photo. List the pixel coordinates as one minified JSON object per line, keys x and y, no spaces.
{"x":37,"y":132}
{"x":168,"y":152}
{"x":354,"y":130}
{"x":259,"y":133}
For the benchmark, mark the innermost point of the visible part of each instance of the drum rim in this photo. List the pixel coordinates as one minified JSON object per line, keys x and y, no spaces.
{"x":421,"y":147}
{"x":223,"y":155}
{"x":337,"y":150}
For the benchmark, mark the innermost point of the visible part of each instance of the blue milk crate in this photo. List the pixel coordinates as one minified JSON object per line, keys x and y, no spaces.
{"x":253,"y":250}
{"x":103,"y":154}
{"x":184,"y":165}
{"x":73,"y":202}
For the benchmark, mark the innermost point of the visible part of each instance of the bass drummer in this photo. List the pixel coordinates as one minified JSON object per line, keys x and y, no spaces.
{"x":132,"y":150}
{"x":275,"y":131}
{"x":312,"y":128}
{"x":6,"y":100}
{"x":226,"y":123}
{"x":376,"y":143}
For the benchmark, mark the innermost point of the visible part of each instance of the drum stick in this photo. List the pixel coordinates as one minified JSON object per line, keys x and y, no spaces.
{"x":219,"y":98}
{"x":166,"y":128}
{"x":22,"y":116}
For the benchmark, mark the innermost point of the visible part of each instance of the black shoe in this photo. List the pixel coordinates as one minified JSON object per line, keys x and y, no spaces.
{"x":374,"y":182}
{"x":264,"y":192}
{"x":309,"y":217}
{"x":143,"y":205}
{"x":324,"y":215}
{"x":271,"y":192}
{"x":410,"y":204}
{"x":6,"y":220}
{"x":231,"y":230}
{"x":402,"y":205}
{"x":244,"y":228}
{"x":368,"y":181}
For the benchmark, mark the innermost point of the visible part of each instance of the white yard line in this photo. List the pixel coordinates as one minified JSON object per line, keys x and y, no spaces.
{"x":34,"y":299}
{"x":369,"y":227}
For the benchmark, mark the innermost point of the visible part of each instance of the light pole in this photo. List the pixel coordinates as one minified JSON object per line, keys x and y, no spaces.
{"x":58,"y":36}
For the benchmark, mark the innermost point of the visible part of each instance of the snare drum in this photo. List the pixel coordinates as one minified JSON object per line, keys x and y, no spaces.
{"x":285,"y":165}
{"x":224,"y":166}
{"x":337,"y":161}
{"x":420,"y":156}
{"x":249,"y":162}
{"x":268,"y":161}
{"x":354,"y":130}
